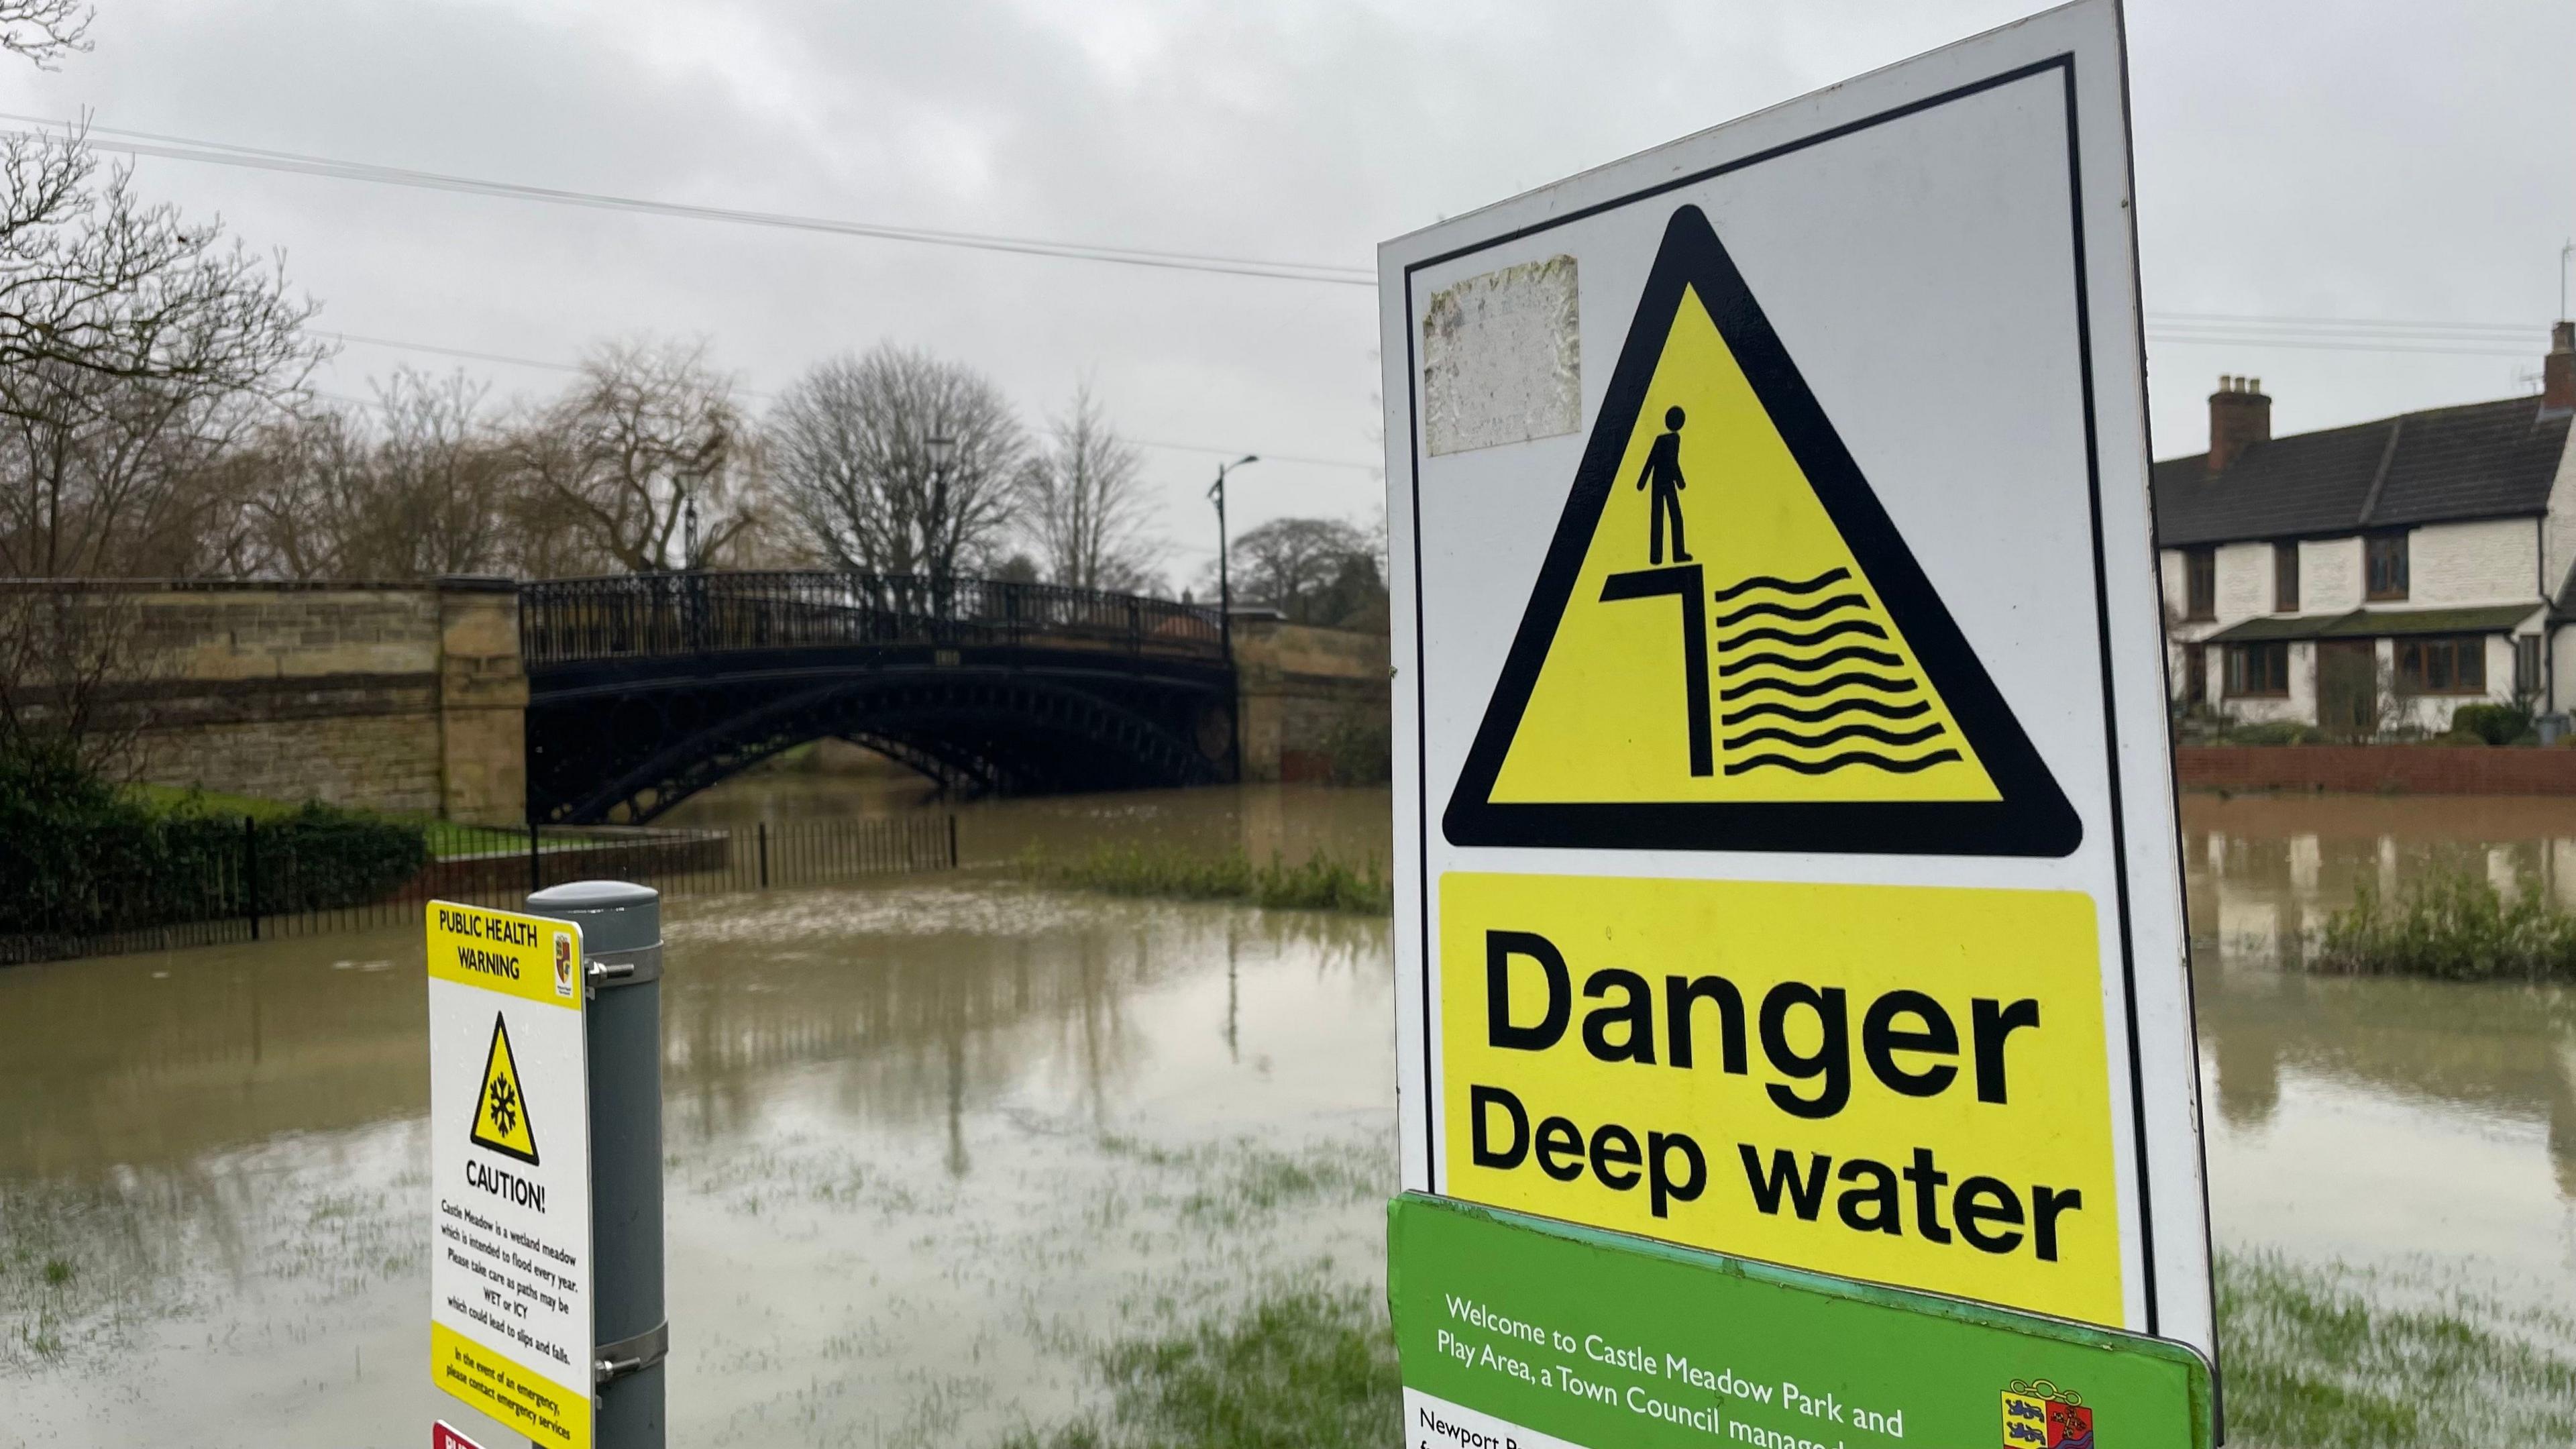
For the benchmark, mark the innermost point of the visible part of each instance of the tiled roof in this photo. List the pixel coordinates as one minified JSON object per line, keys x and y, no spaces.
{"x":2484,"y":460}
{"x":2379,"y":623}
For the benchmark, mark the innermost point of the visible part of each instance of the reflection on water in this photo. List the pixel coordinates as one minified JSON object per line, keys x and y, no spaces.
{"x":930,"y":1142}
{"x":2372,"y":1120}
{"x":926,"y":1145}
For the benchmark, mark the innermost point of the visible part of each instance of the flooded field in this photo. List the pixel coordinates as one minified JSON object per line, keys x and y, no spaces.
{"x":929,"y":1147}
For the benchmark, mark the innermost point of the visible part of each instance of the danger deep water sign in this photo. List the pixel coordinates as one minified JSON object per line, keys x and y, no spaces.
{"x":1783,"y":789}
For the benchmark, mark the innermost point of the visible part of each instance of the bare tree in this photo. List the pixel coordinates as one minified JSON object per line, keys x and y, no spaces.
{"x":436,"y":478}
{"x":299,"y":484}
{"x":850,"y":449}
{"x":646,"y":458}
{"x":1293,"y":564}
{"x":1083,"y":506}
{"x":69,"y":658}
{"x":133,"y":347}
{"x":44,"y":31}
{"x":414,"y":486}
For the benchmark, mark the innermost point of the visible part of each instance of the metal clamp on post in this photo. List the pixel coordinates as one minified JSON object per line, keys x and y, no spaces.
{"x":614,"y":1361}
{"x":628,"y":968}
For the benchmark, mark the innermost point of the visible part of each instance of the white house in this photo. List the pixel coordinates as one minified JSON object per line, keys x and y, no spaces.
{"x":2375,"y":575}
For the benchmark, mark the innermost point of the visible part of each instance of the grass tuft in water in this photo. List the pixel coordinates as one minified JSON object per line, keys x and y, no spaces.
{"x":58,"y":1272}
{"x":2450,"y":926}
{"x":1323,"y":883}
{"x":1309,"y":1369}
{"x":2311,"y":1363}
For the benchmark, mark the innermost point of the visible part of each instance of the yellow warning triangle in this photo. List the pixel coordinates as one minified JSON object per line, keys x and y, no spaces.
{"x":1729,"y":646}
{"x":501,"y":1107}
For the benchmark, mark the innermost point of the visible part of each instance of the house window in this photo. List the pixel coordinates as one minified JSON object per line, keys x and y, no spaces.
{"x":2526,"y":666}
{"x":2200,"y":583}
{"x":2385,"y":562}
{"x":2285,"y":578}
{"x":2195,"y":674}
{"x":2258,"y":670}
{"x":2442,"y":664}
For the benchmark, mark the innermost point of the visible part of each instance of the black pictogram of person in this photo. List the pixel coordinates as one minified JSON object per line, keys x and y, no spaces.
{"x":1664,"y":470}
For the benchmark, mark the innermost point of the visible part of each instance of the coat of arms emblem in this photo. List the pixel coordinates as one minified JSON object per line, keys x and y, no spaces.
{"x":2040,"y":1415}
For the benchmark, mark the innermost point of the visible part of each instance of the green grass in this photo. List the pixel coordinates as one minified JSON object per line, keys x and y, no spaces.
{"x":1323,"y":883}
{"x":2312,"y":1363}
{"x":1312,"y":1369}
{"x":445,"y":837}
{"x":2451,"y":926}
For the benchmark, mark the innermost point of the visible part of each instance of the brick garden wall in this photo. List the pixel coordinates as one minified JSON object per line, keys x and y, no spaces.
{"x":2378,"y":769}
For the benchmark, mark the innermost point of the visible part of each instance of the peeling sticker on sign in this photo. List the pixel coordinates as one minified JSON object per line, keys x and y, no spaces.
{"x":1503,"y":358}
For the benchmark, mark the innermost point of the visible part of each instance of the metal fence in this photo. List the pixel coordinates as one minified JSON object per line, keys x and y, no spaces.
{"x":252,"y":895}
{"x":564,"y":621}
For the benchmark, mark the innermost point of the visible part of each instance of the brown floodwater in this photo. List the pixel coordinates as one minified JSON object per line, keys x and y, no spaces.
{"x":930,"y":1145}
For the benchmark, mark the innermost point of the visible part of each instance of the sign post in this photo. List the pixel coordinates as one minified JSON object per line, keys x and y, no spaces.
{"x":621,"y":924}
{"x":1784,"y":800}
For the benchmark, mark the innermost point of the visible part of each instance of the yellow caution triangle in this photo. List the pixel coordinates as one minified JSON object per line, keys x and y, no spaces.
{"x":1729,"y":646}
{"x":501,"y":1107}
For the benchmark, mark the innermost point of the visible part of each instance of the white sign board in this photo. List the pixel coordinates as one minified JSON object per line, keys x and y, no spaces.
{"x":509,"y":1122}
{"x":1784,"y":798}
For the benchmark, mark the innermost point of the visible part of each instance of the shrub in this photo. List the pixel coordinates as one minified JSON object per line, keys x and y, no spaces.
{"x":1360,"y":753}
{"x":2452,"y":927}
{"x":2272,"y":732}
{"x":1322,"y":883}
{"x":81,"y":859}
{"x":2494,"y":724}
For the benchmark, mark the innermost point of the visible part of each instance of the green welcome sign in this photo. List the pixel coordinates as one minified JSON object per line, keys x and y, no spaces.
{"x":1520,"y":1333}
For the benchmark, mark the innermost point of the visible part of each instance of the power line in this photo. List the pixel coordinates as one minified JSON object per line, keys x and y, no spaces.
{"x":188,"y":148}
{"x":2157,"y":337}
{"x":2260,"y":319}
{"x":219,"y":153}
{"x":466,"y":353}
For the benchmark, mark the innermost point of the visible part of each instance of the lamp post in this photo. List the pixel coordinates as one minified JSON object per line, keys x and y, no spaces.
{"x":941,"y":450}
{"x":1225,"y":614}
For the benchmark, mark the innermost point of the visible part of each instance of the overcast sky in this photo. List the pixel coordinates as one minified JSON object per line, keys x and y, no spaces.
{"x":2340,"y":159}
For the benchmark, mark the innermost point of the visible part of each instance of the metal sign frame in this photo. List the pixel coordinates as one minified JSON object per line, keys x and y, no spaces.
{"x":1884,"y":169}
{"x":512,"y":1276}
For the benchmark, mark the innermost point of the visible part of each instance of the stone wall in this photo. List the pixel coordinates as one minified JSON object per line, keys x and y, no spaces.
{"x":1313,"y":702}
{"x":402,"y":697}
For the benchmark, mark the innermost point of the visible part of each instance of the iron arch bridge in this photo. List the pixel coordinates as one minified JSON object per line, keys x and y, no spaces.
{"x":644,"y":689}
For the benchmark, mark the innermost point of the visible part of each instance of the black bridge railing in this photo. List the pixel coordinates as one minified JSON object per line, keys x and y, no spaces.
{"x":565,"y":621}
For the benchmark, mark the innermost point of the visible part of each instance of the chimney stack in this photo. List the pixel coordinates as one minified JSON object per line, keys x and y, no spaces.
{"x":2558,"y":369}
{"x":2239,"y":417}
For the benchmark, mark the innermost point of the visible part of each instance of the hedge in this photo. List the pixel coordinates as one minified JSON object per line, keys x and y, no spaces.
{"x":77,"y":857}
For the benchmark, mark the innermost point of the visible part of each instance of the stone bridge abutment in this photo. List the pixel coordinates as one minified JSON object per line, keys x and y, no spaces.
{"x":386,"y":696}
{"x":417,"y":696}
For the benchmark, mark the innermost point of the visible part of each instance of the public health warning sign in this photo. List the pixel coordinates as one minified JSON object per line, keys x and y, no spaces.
{"x":1783,"y":783}
{"x":509,"y":1116}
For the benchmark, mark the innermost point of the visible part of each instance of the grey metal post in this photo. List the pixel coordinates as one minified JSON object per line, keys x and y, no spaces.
{"x":621,"y":935}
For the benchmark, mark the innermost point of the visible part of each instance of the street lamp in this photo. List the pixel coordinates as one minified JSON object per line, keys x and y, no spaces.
{"x":1225,"y":612}
{"x":941,"y":449}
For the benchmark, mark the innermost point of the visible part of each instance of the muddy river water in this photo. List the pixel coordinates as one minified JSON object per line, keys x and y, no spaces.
{"x":929,"y":1145}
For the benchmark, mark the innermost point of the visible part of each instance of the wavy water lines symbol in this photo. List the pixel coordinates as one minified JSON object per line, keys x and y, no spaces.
{"x":1805,"y":694}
